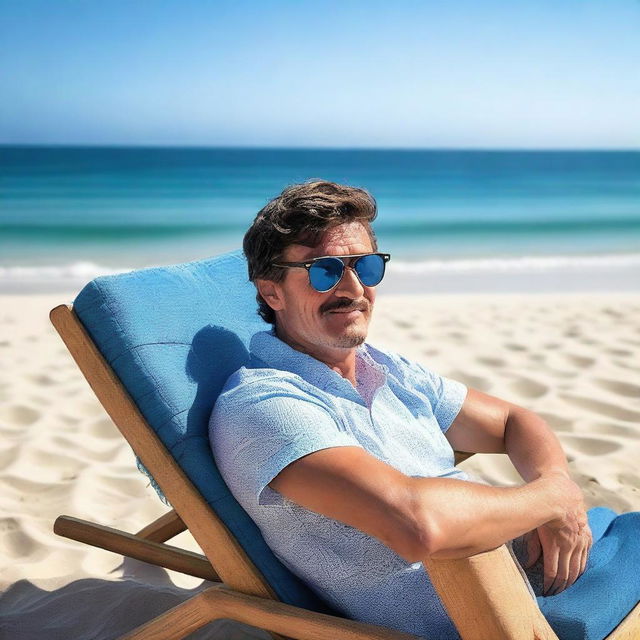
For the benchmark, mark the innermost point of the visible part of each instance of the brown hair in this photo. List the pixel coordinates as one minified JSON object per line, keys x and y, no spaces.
{"x":300,"y":215}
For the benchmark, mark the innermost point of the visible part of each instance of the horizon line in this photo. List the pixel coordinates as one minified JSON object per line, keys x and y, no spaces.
{"x":203,"y":147}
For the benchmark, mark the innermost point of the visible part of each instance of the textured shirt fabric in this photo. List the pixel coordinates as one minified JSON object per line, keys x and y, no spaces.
{"x":284,"y":405}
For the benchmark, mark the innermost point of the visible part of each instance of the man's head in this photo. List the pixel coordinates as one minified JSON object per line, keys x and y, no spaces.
{"x":304,"y":222}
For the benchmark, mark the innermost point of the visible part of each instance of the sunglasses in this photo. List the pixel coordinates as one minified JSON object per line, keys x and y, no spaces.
{"x":326,"y":272}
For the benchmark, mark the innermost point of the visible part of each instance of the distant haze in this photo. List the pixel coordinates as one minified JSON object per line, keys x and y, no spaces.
{"x":463,"y":74}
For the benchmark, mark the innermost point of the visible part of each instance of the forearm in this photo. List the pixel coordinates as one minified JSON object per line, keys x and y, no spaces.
{"x":464,"y":518}
{"x":531,"y":446}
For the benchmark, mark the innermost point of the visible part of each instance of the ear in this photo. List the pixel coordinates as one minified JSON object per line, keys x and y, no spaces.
{"x":271,"y":293}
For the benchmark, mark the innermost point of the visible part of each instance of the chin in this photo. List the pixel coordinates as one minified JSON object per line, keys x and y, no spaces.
{"x":350,"y":341}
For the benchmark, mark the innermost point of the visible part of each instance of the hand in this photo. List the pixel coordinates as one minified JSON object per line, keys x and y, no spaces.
{"x":565,"y":542}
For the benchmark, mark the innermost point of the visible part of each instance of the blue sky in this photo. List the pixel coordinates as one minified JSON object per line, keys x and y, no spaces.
{"x":464,"y":74}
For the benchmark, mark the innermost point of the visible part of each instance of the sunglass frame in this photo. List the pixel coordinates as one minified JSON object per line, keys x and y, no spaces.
{"x":307,"y":264}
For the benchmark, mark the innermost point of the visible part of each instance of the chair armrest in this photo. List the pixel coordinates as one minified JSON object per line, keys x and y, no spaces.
{"x":486,"y":597}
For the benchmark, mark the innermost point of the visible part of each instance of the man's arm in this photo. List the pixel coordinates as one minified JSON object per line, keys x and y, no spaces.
{"x":488,"y":424}
{"x":417,"y":517}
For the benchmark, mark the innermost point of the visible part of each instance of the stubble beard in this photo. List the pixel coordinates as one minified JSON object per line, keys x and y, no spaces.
{"x":352,"y":337}
{"x":349,"y":341}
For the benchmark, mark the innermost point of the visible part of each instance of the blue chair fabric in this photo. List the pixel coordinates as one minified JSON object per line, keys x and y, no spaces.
{"x":610,"y":586}
{"x":173,"y":335}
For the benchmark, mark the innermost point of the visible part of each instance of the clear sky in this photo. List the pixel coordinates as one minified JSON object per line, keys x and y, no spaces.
{"x":424,"y":73}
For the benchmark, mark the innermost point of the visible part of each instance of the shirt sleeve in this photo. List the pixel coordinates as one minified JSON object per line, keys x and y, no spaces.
{"x":445,"y":395}
{"x":253,"y":439}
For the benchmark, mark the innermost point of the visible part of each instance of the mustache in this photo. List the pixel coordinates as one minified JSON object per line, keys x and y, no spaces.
{"x":344,"y":304}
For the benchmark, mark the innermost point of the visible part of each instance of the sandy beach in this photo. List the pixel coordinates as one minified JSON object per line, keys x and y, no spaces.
{"x":573,"y":358}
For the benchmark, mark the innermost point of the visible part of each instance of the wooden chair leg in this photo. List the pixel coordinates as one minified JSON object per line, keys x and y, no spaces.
{"x":127,"y":544}
{"x":164,"y":528}
{"x":219,"y":602}
{"x":176,"y":623}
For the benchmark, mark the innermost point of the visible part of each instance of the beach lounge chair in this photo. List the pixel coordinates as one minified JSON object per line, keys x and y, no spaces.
{"x":156,"y":346}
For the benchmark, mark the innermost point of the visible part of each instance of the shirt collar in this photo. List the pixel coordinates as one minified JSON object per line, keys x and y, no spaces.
{"x":276,"y":354}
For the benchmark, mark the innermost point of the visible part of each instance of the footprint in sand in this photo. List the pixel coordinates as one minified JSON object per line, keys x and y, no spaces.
{"x":104,"y":428}
{"x":630,"y":479}
{"x":43,"y":379}
{"x":490,"y":361}
{"x":589,"y":446}
{"x":8,"y":456}
{"x":579,"y":361}
{"x":476,"y":382}
{"x":43,"y":458}
{"x":19,"y":415}
{"x":557,"y":373}
{"x":69,"y":420}
{"x":617,"y":430}
{"x":624,"y":353}
{"x":14,"y":542}
{"x":514,"y":346}
{"x":90,"y":409}
{"x":618,"y":387}
{"x":403,"y":324}
{"x":528,"y":388}
{"x":602,"y":408}
{"x":625,"y":365}
{"x":127,"y":486}
{"x":556,"y":422}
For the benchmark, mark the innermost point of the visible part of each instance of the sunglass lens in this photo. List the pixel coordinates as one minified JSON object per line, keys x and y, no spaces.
{"x":325,"y":273}
{"x":370,"y":269}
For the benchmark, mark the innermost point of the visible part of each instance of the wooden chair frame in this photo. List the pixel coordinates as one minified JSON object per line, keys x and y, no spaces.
{"x":484,"y":595}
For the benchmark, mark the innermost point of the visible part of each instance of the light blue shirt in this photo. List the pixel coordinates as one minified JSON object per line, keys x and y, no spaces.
{"x":285,"y":405}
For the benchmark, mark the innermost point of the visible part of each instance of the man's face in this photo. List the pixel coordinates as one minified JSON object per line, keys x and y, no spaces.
{"x":314,"y":322}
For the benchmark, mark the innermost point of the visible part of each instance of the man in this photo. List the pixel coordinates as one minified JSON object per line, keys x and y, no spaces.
{"x":343,"y":454}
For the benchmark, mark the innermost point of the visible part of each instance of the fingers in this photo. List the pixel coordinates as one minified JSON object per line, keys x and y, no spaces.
{"x":551,"y":559}
{"x":563,"y":568}
{"x":583,"y":560}
{"x":559,"y":581}
{"x":586,"y":550}
{"x":534,"y":549}
{"x":575,"y":564}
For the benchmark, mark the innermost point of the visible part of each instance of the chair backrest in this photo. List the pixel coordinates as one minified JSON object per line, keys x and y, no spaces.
{"x":173,"y":335}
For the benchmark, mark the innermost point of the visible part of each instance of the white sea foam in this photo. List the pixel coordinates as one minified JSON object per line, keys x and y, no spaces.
{"x":87,"y":270}
{"x":516,"y":265}
{"x":43,"y":278}
{"x":525,"y":274}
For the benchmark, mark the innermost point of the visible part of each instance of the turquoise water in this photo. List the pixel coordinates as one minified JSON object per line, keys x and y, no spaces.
{"x":130,"y":207}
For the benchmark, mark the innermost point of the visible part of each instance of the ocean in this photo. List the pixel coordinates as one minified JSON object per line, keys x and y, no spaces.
{"x":70,"y":213}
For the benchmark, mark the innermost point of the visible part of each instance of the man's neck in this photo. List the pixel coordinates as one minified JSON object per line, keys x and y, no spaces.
{"x":342,"y":361}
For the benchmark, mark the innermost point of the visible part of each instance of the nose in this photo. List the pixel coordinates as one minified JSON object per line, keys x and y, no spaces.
{"x":349,"y":286}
